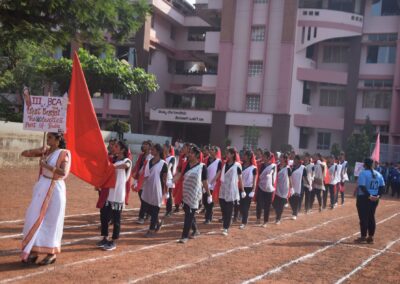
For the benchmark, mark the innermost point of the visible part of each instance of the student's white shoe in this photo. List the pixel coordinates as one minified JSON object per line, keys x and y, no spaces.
{"x":241,"y":227}
{"x":225,"y":232}
{"x":294,"y":217}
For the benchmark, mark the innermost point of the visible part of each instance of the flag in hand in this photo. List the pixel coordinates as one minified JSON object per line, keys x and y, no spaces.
{"x":88,"y":152}
{"x":377,"y":149}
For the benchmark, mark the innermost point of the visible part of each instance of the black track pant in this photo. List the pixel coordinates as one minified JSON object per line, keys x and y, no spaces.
{"x":366,"y":212}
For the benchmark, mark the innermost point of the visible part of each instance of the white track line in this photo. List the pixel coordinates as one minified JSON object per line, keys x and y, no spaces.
{"x":308,"y":256}
{"x":17,"y":278}
{"x":87,"y":261}
{"x":68,"y":216}
{"x":223,"y":253}
{"x":365,"y":262}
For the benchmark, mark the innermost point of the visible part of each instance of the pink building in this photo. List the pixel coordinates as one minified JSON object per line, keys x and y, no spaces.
{"x":265,"y":73}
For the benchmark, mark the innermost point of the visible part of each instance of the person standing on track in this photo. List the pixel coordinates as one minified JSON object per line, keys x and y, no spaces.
{"x":370,"y":187}
{"x":283,"y":187}
{"x":169,"y":153}
{"x":331,"y":186}
{"x":343,"y":177}
{"x":182,"y":163}
{"x":116,"y":197}
{"x":44,"y":218}
{"x":266,"y":186}
{"x":318,"y":182}
{"x":298,"y":172}
{"x":138,"y":176}
{"x":231,"y":177}
{"x":214,"y":168}
{"x":307,"y":182}
{"x":249,"y":176}
{"x":194,"y":180}
{"x":154,"y":187}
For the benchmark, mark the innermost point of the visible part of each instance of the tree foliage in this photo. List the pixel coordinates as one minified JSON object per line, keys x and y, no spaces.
{"x":104,"y":75}
{"x":358,"y":145}
{"x":56,"y":22}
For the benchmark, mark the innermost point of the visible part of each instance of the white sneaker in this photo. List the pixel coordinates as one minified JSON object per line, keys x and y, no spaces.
{"x":286,"y":205}
{"x":241,"y":227}
{"x":225,"y":232}
{"x":264,"y":225}
{"x":277,"y":222}
{"x":140,"y":221}
{"x":294,"y":217}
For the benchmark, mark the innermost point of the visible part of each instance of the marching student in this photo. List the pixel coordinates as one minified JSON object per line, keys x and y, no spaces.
{"x":343,"y":177}
{"x":182,"y":163}
{"x":332,"y":173}
{"x":266,"y":186}
{"x":154,"y":187}
{"x":318,"y":181}
{"x":338,"y":179}
{"x":283,"y":187}
{"x":214,"y":168}
{"x":298,"y":173}
{"x":231,"y":177}
{"x":307,"y":182}
{"x":194,"y":179}
{"x":370,"y":187}
{"x":116,"y":197}
{"x":44,"y":218}
{"x":138,"y":176}
{"x":249,"y":177}
{"x":170,"y":159}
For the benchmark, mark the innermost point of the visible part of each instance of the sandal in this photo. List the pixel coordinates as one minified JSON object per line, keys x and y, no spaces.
{"x":31,"y":259}
{"x":49,"y":259}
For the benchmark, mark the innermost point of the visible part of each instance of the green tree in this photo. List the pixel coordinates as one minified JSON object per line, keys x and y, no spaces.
{"x":56,"y":22}
{"x":335,"y":149}
{"x":358,"y":145}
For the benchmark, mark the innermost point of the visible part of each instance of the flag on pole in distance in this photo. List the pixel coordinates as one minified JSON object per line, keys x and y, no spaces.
{"x":89,"y":160}
{"x":377,"y":149}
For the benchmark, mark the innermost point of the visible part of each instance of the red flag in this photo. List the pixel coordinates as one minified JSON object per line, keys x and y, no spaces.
{"x":88,"y":152}
{"x":377,"y":149}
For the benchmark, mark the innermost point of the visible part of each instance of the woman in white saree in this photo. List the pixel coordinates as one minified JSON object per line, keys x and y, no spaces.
{"x":44,"y":219}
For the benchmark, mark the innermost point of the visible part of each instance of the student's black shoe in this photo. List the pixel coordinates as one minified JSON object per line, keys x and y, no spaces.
{"x":159,"y":225}
{"x":370,"y":240}
{"x":360,"y":240}
{"x":102,"y":243}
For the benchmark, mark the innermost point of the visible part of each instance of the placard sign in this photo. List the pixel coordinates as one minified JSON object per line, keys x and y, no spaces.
{"x":47,"y":114}
{"x":358,"y":168}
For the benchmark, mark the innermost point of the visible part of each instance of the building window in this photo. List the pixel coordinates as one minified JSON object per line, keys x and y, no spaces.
{"x":323,"y":141}
{"x":382,"y":37}
{"x":331,"y":97}
{"x":252,"y":103}
{"x":255,"y":68}
{"x":342,"y":5}
{"x":335,"y":54}
{"x":310,"y":51}
{"x":121,"y":97}
{"x":381,"y":54}
{"x":260,"y":1}
{"x":257,"y":33}
{"x":310,"y":4}
{"x":384,"y":128}
{"x":385,"y":8}
{"x":376,"y":99}
{"x":303,"y":141}
{"x":378,"y":83}
{"x":152,"y":21}
{"x":196,"y":34}
{"x":306,"y":93}
{"x":172,"y":32}
{"x":251,"y":135}
{"x":122,"y":52}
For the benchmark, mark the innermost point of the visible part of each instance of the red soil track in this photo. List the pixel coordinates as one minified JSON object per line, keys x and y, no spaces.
{"x":305,"y":250}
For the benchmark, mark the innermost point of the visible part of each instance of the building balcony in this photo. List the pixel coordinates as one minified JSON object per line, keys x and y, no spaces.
{"x":318,"y":121}
{"x":209,"y":81}
{"x":212,"y":42}
{"x":322,"y":76}
{"x":98,"y":103}
{"x":316,"y":25}
{"x":188,"y":79}
{"x":210,"y":4}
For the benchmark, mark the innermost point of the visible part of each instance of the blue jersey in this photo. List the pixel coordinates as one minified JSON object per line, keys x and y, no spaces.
{"x":371,"y":183}
{"x":396,"y":176}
